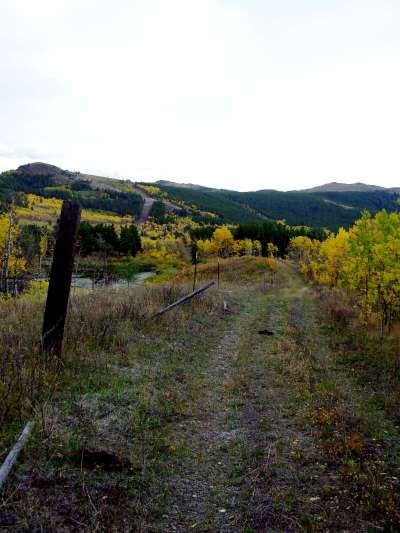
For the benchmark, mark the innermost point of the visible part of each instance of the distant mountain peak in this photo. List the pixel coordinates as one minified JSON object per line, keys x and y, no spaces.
{"x":167,"y":183}
{"x":40,"y":169}
{"x":335,"y":186}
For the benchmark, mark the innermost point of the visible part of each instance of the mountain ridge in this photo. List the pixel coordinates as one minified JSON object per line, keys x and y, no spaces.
{"x":327,"y":206}
{"x":336,"y":186}
{"x":332,"y":186}
{"x":46,"y":169}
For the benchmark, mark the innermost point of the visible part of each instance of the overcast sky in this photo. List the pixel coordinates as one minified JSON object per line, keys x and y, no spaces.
{"x":240,"y":94}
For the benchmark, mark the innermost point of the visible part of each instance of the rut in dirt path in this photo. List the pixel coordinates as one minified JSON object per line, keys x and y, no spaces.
{"x":208,"y":487}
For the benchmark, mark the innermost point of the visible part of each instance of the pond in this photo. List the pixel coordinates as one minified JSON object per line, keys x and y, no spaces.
{"x":87,"y":283}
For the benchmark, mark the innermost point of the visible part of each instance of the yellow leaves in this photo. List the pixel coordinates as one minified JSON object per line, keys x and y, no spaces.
{"x":205,"y":248}
{"x":151,"y":189}
{"x":365,"y":259}
{"x":333,"y":252}
{"x":4,"y":225}
{"x":303,"y":248}
{"x":223,"y":244}
{"x":42,"y":211}
{"x":256,"y":247}
{"x":16,"y":265}
{"x":305,"y":251}
{"x":223,"y":241}
{"x":243,"y":247}
{"x":43,"y":243}
{"x":11,"y":261}
{"x":272,"y":249}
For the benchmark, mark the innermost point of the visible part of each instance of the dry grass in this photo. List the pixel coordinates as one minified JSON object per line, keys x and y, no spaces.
{"x":98,"y":323}
{"x":373,"y":360}
{"x":234,"y":271}
{"x":104,"y":442}
{"x":198,"y":413}
{"x":354,"y":436}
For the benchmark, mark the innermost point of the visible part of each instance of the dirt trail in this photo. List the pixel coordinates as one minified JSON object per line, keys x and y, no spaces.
{"x":272,"y":442}
{"x":204,"y":499}
{"x":234,"y":424}
{"x":148,"y":202}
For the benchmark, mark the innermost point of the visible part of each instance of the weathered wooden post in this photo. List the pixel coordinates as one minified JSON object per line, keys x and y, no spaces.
{"x":218,"y":274}
{"x":60,"y":279}
{"x":194,"y":262}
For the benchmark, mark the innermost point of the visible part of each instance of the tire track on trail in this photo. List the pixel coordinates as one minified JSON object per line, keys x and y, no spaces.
{"x":208,"y":487}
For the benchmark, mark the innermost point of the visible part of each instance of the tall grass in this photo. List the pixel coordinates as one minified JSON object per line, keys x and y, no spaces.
{"x":373,"y":360}
{"x":233,"y":270}
{"x":100,"y":329}
{"x":99,"y":323}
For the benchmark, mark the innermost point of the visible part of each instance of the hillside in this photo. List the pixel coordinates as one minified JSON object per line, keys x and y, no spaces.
{"x":335,"y":186}
{"x":319,"y":209}
{"x":166,"y":183}
{"x":93,"y":192}
{"x":328,"y":206}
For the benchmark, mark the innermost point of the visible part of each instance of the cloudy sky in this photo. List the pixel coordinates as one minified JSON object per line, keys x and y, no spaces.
{"x":241,"y":94}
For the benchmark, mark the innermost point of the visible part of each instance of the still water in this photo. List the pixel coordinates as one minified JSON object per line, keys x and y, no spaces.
{"x":87,"y":283}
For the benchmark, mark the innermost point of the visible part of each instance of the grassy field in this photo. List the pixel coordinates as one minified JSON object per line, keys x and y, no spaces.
{"x":246,"y":410}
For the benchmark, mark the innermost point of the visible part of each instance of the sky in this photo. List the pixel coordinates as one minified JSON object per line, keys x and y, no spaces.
{"x":236,"y":94}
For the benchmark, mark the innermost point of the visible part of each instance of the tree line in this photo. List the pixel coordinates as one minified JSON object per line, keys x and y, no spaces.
{"x":277,"y":233}
{"x":268,"y":232}
{"x":104,"y":238}
{"x":364,"y":261}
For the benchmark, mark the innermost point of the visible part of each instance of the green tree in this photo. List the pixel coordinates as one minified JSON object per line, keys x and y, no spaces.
{"x":130,"y":240}
{"x":127,"y":269}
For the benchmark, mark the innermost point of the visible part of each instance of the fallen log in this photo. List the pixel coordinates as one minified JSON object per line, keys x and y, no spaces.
{"x":15,"y":451}
{"x":184,"y":299}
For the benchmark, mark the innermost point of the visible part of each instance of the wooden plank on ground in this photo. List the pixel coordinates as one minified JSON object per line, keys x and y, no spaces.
{"x":184,"y":299}
{"x":15,"y":451}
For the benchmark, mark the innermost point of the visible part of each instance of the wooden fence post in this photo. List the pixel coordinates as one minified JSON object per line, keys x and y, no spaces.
{"x":60,"y":279}
{"x":194,"y":276}
{"x":218,"y":274}
{"x":194,"y":262}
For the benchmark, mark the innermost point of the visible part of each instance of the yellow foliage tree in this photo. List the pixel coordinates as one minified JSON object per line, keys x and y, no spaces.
{"x":223,"y":241}
{"x":306,"y":252}
{"x":365,"y":260}
{"x":11,"y":261}
{"x":333,"y":260}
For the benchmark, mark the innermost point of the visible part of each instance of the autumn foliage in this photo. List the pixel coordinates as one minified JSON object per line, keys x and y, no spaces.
{"x":364,"y":260}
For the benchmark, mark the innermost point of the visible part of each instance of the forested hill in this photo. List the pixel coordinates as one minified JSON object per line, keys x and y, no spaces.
{"x":49,"y":181}
{"x":318,"y":209}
